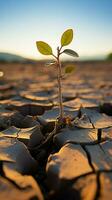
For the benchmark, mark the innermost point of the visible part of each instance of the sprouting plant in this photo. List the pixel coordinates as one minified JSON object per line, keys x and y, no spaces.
{"x":45,"y":49}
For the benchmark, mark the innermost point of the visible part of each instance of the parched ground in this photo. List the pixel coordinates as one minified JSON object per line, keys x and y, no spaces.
{"x":103,"y":69}
{"x":38,"y":162}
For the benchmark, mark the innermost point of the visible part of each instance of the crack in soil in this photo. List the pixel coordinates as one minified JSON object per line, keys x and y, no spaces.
{"x":89,"y":157}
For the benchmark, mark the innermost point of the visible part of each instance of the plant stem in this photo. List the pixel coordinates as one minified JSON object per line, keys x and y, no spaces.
{"x":59,"y":85}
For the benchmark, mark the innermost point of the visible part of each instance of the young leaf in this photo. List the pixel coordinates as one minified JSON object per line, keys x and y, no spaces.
{"x":69,"y":69}
{"x":44,"y":48}
{"x":67,"y":37}
{"x":70,"y":52}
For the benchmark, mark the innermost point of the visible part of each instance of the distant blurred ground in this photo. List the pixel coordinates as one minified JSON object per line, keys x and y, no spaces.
{"x":87,"y":70}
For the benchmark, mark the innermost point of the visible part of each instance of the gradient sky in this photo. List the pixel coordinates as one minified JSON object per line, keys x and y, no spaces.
{"x":22,"y":22}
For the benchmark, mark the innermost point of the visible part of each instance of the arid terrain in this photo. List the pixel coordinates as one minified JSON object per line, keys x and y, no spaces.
{"x":76,"y":161}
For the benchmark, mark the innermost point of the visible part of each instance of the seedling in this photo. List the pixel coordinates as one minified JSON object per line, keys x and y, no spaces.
{"x":46,"y":49}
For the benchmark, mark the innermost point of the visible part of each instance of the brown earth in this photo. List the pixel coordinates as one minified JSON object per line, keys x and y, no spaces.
{"x":73,"y":162}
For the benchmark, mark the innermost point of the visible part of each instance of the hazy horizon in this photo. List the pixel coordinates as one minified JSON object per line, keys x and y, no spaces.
{"x":24,"y":22}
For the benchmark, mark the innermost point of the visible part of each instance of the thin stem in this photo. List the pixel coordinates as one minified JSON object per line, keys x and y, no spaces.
{"x":54,"y":56}
{"x":60,"y":48}
{"x":59,"y":84}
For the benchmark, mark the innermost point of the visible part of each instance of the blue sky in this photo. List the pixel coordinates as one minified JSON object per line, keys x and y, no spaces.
{"x":22,"y":22}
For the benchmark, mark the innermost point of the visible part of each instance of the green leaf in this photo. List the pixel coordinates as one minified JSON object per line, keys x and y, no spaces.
{"x":69,"y":69}
{"x":67,"y":37}
{"x":70,"y":52}
{"x":44,"y":48}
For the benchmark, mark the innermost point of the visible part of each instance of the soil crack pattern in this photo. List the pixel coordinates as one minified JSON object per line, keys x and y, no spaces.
{"x":48,"y":154}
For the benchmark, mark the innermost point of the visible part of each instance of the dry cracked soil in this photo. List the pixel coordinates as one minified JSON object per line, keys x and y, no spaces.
{"x":73,"y":162}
